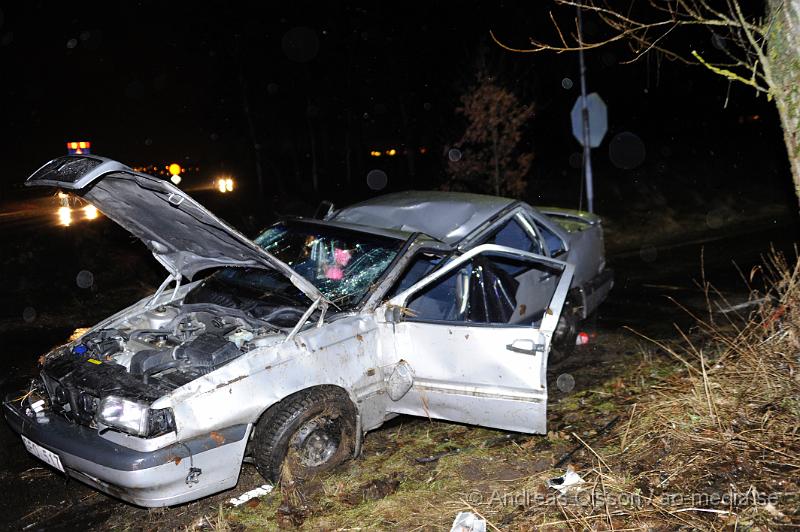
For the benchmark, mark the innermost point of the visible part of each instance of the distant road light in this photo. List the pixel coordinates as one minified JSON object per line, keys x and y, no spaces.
{"x":175,"y":169}
{"x":391,"y":152}
{"x":225,"y":184}
{"x":176,"y":179}
{"x":375,"y":153}
{"x":64,"y":216}
{"x":79,"y":148}
{"x":90,"y":212}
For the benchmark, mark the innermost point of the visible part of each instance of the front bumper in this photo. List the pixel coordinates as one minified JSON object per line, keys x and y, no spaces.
{"x":163,"y":477}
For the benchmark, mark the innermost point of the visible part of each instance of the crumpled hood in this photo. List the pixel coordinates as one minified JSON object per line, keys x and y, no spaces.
{"x":182,"y":234}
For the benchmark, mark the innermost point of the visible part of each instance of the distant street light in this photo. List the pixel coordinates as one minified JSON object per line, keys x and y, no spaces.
{"x":174,"y":171}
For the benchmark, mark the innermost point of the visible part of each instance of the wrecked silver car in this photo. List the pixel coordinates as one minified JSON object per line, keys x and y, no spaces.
{"x":439,"y":305}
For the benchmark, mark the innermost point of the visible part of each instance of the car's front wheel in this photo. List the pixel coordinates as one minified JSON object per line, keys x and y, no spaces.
{"x":311,"y":432}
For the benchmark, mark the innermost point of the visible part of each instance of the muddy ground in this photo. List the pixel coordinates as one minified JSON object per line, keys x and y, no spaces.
{"x":414,"y":469}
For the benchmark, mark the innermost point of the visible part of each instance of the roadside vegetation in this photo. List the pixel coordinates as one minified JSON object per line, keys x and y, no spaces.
{"x":703,"y":433}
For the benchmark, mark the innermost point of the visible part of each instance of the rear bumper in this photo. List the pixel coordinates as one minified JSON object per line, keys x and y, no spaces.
{"x":156,"y":478}
{"x":596,"y":291}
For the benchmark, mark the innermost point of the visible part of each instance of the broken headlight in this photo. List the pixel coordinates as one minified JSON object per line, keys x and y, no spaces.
{"x":134,"y":417}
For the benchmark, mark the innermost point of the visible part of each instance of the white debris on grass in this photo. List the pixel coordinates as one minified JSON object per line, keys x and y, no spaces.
{"x":254,"y":493}
{"x":565,"y":481}
{"x":468,"y":522}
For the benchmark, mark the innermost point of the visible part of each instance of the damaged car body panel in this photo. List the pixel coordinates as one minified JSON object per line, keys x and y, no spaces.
{"x":297,"y":344}
{"x":474,"y":357}
{"x":472,"y":219}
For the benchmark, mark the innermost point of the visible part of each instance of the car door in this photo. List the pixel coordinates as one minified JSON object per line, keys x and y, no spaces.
{"x":516,"y":231}
{"x":458,"y":352}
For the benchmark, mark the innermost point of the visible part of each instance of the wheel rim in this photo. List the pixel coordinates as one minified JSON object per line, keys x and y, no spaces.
{"x":317,"y":441}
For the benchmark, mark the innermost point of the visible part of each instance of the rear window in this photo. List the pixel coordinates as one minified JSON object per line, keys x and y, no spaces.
{"x":513,"y":235}
{"x":553,"y":241}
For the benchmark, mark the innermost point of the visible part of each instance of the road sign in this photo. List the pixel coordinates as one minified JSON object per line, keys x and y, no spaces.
{"x":598,"y":119}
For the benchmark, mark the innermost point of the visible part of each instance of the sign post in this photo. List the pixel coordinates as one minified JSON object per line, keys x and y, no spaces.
{"x":589,"y":120}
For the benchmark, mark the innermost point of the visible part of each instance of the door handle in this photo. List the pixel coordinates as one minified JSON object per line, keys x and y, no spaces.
{"x":530,"y":348}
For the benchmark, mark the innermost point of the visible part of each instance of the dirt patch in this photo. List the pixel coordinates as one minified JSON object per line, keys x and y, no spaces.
{"x":472,"y":470}
{"x":373,"y":490}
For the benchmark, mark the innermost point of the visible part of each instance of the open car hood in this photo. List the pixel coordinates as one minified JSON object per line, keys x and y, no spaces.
{"x":182,"y":234}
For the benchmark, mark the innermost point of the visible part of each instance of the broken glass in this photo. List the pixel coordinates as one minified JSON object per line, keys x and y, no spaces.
{"x":343,"y":264}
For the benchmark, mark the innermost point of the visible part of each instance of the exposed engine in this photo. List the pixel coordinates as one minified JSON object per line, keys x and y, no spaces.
{"x":178,"y":343}
{"x":146,"y":355}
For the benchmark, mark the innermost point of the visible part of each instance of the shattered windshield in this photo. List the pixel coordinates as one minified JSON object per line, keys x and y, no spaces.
{"x":342,"y":264}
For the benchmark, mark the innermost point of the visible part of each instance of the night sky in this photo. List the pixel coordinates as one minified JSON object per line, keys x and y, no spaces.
{"x":326,"y":83}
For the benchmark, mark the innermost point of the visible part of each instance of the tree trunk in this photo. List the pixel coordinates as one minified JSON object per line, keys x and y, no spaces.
{"x":783,"y":75}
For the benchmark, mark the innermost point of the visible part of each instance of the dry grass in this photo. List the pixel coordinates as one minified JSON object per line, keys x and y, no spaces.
{"x":727,"y":426}
{"x":707,"y":437}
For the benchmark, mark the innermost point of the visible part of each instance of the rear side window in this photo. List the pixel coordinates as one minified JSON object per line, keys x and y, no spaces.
{"x":554,"y":242}
{"x":513,"y":235}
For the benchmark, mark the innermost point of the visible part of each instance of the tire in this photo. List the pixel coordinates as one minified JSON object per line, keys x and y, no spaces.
{"x":566,"y":333}
{"x":311,"y":432}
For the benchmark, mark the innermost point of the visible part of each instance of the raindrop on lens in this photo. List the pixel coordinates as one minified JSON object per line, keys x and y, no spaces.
{"x":72,"y":43}
{"x":566,"y":83}
{"x":717,"y":218}
{"x":576,"y":160}
{"x":300,"y":44}
{"x":85,"y":279}
{"x":454,"y":155}
{"x":608,"y":59}
{"x":29,"y":314}
{"x":648,"y":253}
{"x":626,"y":150}
{"x":377,"y":179}
{"x":565,"y":382}
{"x":718,"y":42}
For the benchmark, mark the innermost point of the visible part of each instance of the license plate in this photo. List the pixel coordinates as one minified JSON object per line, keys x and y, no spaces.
{"x":43,"y":454}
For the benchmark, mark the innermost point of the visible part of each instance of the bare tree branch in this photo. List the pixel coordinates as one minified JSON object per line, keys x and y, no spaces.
{"x":646,"y":34}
